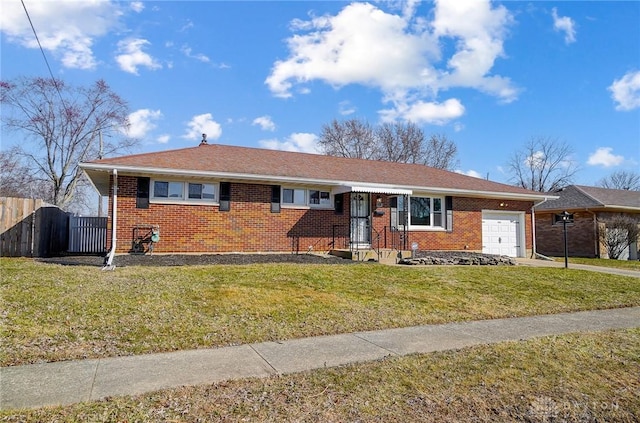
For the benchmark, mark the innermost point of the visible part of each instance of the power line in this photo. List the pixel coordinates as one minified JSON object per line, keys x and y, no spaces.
{"x":55,"y":84}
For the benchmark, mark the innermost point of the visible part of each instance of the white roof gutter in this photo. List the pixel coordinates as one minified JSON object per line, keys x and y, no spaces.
{"x":135,"y":170}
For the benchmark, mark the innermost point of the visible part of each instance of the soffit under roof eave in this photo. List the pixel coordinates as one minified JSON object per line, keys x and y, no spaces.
{"x":99,"y":179}
{"x":410,"y":190}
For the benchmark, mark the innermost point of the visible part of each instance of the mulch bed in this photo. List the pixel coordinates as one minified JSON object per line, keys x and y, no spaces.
{"x":194,"y":259}
{"x":435,"y":257}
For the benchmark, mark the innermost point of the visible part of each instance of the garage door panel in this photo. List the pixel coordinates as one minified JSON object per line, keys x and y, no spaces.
{"x":500,"y":234}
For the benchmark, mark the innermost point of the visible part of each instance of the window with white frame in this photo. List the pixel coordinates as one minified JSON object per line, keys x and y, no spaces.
{"x":184,"y":191}
{"x":426,"y":212}
{"x":294,"y":196}
{"x":421,"y":213}
{"x":202,"y":192}
{"x":319,"y":198}
{"x":306,"y":197}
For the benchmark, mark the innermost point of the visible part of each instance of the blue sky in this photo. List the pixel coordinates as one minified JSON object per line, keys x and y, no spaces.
{"x":488,"y":75}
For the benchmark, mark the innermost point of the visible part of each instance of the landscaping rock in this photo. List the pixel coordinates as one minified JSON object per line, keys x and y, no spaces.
{"x":459,"y":258}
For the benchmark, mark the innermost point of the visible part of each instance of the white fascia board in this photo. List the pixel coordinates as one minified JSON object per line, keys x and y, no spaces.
{"x":483,"y":194}
{"x":136,"y":170}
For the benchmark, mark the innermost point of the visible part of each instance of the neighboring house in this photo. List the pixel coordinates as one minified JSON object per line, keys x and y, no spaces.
{"x":591,"y":207}
{"x":220,"y":198}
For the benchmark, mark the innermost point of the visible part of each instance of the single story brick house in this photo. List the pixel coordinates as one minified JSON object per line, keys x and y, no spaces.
{"x":591,"y":207}
{"x":219,"y":198}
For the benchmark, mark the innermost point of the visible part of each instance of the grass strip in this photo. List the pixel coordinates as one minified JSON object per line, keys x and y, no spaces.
{"x":576,"y":377}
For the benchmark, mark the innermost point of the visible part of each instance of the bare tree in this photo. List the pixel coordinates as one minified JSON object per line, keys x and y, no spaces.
{"x":620,"y":232}
{"x":400,"y":142}
{"x":440,"y":152}
{"x":350,"y":138}
{"x":394,"y":142}
{"x":17,"y":180}
{"x":61,"y":126}
{"x":543,"y":164}
{"x":621,"y":179}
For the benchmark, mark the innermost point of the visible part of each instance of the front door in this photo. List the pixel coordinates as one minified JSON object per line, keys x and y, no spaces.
{"x":360,"y":225}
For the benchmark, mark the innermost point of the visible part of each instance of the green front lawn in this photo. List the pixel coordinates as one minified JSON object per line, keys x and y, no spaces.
{"x":52,"y":312}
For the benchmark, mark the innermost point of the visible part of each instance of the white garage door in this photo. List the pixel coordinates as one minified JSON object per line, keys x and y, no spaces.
{"x":500,"y":234}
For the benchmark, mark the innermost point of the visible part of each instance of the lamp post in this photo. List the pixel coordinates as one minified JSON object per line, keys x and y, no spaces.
{"x":565,"y":217}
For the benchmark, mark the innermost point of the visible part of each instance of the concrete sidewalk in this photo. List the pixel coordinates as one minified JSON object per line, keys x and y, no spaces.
{"x":83,"y":380}
{"x":557,"y":264}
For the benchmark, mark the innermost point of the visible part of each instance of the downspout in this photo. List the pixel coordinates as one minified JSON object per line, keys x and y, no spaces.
{"x":534,"y":253}
{"x":596,"y":235}
{"x":114,"y":214}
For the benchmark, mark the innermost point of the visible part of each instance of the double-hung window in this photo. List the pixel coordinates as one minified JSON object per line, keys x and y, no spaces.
{"x":426,"y":212}
{"x":418,"y":213}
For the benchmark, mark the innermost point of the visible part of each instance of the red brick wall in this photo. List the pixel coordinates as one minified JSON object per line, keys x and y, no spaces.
{"x":581,"y":236}
{"x":467,"y":224}
{"x":251,"y":227}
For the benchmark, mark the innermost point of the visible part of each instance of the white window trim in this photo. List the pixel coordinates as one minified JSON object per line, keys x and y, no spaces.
{"x":426,"y":228}
{"x":185,"y":193}
{"x":307,"y":197}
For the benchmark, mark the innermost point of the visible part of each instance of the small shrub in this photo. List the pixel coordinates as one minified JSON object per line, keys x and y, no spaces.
{"x":621,"y":231}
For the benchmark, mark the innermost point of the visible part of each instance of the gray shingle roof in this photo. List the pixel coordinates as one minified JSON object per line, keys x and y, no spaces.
{"x":577,"y":197}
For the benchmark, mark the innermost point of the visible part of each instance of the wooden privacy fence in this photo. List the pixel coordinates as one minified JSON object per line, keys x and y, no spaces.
{"x":31,"y":228}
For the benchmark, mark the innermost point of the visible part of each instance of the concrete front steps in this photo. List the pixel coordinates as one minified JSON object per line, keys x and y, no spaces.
{"x":384,"y":256}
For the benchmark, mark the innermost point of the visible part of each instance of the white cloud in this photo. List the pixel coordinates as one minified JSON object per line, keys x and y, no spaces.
{"x":137,"y":6}
{"x":603,"y":156}
{"x":564,"y":24}
{"x":131,"y":56}
{"x":399,"y":54}
{"x":143,"y":121}
{"x":202,"y":124}
{"x":626,"y":91}
{"x":362,"y":44}
{"x":67,"y":28}
{"x":345,"y":108}
{"x":479,"y":31}
{"x":469,"y":172}
{"x":187,"y":51}
{"x":265,"y":123}
{"x":425,"y":112}
{"x":538,"y":161}
{"x":301,"y":142}
{"x":164,"y":138}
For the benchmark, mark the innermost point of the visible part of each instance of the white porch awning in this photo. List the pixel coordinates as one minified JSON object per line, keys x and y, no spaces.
{"x":377,"y":189}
